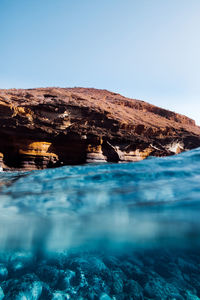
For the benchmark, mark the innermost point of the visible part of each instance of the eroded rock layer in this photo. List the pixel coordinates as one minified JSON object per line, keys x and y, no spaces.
{"x":49,"y":127}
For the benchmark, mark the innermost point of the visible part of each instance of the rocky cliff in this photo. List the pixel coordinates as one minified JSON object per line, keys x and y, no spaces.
{"x":48,"y":127}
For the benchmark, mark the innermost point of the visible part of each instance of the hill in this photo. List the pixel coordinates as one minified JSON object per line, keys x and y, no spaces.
{"x":47,"y":127}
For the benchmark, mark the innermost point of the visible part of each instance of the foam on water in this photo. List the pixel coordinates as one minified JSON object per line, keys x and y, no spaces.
{"x":104,"y":231}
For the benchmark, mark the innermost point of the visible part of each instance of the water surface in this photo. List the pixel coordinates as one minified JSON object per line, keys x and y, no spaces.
{"x":104,"y":231}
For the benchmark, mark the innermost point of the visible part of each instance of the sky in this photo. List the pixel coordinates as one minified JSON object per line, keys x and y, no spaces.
{"x":143,"y":49}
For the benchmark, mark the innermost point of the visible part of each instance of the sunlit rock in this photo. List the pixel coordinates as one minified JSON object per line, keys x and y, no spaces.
{"x":50,"y":127}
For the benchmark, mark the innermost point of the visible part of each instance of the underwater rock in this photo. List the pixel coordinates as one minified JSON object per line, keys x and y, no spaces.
{"x":66,"y":279}
{"x":46,"y":292}
{"x":6,"y":285}
{"x":1,"y":294}
{"x":190,"y":296}
{"x":117,"y":282}
{"x":99,"y":285}
{"x":3,"y":272}
{"x":19,"y":263}
{"x":158,"y":288}
{"x":60,"y":296}
{"x":105,"y":297}
{"x":49,"y":127}
{"x":48,"y":282}
{"x":48,"y":274}
{"x":193,"y":283}
{"x":187,"y":266}
{"x":28,"y":287}
{"x":134,"y":290}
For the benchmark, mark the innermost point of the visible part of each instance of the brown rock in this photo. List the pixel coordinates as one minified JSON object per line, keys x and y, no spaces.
{"x":47,"y":127}
{"x":1,"y":161}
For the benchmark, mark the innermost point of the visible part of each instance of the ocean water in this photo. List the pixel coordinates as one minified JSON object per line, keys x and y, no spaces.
{"x":103,"y":231}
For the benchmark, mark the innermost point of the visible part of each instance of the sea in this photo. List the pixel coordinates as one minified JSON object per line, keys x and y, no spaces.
{"x":102,"y":231}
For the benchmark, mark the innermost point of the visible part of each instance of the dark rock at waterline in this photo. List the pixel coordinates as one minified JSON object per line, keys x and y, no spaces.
{"x":49,"y":127}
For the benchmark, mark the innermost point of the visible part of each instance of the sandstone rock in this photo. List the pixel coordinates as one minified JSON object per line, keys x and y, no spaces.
{"x":1,"y":161}
{"x":49,"y":127}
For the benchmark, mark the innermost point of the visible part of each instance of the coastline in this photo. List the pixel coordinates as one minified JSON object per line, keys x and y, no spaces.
{"x":51,"y":127}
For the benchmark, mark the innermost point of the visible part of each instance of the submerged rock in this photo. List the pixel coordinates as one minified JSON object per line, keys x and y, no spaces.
{"x":66,"y":279}
{"x":157,"y":288}
{"x":48,"y":127}
{"x":49,"y":275}
{"x":49,"y":282}
{"x":60,"y":296}
{"x":3,"y":272}
{"x":19,"y":263}
{"x":1,"y":294}
{"x":28,"y":287}
{"x":105,"y":297}
{"x":190,"y":296}
{"x":134,"y":290}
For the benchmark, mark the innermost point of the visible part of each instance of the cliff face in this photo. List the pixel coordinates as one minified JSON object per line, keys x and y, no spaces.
{"x":49,"y":127}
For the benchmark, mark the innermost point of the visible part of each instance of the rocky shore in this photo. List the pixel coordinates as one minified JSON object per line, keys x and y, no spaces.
{"x":50,"y":127}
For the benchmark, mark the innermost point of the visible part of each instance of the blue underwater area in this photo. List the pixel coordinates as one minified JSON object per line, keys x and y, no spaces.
{"x":104,"y":231}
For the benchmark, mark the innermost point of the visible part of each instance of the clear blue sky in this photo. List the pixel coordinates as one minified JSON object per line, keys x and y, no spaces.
{"x":145,"y":49}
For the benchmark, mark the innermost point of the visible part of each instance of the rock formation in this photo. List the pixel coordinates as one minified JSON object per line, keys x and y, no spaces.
{"x":49,"y":127}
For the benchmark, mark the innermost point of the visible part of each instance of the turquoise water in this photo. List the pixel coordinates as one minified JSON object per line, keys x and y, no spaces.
{"x":104,"y":231}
